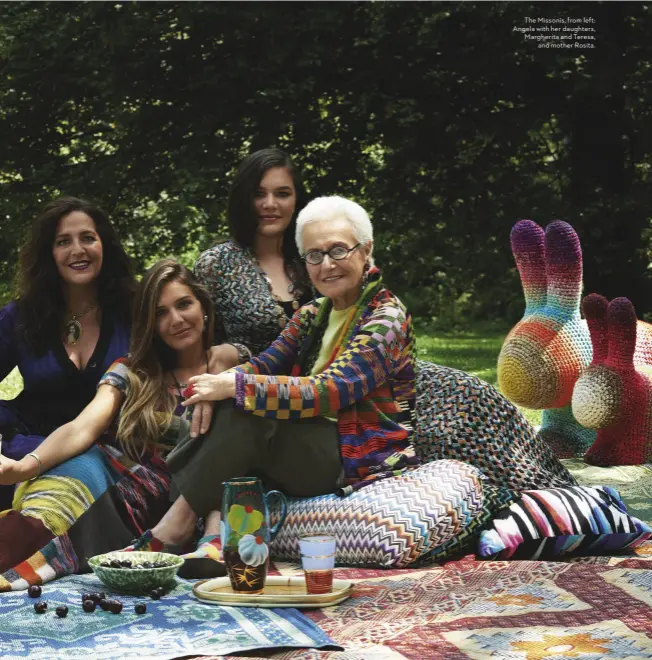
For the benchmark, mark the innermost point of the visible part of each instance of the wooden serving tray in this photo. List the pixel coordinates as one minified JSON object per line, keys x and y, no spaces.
{"x":279,"y":592}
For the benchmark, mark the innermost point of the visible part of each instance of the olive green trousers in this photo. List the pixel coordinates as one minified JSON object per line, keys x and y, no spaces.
{"x":298,"y":457}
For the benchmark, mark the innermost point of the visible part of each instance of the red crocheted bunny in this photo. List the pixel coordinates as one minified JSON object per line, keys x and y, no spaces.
{"x":614,"y":394}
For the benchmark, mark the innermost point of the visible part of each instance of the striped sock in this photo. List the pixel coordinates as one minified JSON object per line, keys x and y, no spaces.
{"x":209,"y":546}
{"x":147,"y":542}
{"x":206,"y":561}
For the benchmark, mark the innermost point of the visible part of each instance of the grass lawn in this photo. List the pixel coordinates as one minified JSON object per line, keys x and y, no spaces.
{"x":473,"y":350}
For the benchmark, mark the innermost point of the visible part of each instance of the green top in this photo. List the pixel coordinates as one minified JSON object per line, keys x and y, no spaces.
{"x":336,"y":322}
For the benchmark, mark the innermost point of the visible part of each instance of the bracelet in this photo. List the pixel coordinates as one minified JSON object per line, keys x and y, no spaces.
{"x":244,"y":354}
{"x":38,"y":460}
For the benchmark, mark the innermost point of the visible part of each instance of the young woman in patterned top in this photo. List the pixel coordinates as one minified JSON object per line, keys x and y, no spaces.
{"x":91,"y":489}
{"x":257,"y":279}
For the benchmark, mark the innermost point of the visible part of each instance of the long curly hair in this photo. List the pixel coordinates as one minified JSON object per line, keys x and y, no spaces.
{"x":149,"y":407}
{"x":41,"y":303}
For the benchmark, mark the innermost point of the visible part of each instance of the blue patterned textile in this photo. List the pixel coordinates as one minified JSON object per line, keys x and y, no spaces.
{"x":175,"y":626}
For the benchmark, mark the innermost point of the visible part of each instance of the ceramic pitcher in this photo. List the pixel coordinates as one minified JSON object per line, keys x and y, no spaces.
{"x":246,"y":532}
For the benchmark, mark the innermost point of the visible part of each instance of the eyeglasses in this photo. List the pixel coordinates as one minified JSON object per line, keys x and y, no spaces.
{"x":337,"y":253}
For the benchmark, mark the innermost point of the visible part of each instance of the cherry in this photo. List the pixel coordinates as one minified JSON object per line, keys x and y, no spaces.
{"x":140,"y":608}
{"x":115,"y":606}
{"x":34,"y":591}
{"x":62,"y":611}
{"x":89,"y":605}
{"x":40,"y":607}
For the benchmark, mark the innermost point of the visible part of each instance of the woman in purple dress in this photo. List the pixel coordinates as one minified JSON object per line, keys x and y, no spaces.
{"x":69,"y":323}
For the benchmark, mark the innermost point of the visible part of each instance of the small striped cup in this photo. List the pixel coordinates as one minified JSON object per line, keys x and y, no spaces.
{"x":318,"y":562}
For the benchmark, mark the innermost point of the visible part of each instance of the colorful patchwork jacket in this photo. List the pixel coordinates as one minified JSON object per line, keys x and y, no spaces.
{"x":369,"y":384}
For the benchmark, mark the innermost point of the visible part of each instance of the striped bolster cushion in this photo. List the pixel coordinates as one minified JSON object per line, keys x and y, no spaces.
{"x":556,"y":522}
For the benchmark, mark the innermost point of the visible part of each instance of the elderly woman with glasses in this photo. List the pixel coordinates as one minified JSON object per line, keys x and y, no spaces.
{"x":328,"y":406}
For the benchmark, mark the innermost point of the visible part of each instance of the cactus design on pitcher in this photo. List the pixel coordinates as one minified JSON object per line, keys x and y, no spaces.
{"x":246,"y":533}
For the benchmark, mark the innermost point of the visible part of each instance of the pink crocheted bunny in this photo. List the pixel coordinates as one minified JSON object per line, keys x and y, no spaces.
{"x":614,"y":394}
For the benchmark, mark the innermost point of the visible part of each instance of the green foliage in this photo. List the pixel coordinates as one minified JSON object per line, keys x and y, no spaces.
{"x":472,"y":350}
{"x":443,"y":122}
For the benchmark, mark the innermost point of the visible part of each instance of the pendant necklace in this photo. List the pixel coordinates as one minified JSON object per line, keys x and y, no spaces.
{"x":74,"y":327}
{"x":293,"y":290}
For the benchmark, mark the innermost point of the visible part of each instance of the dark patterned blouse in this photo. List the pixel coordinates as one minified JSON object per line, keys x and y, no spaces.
{"x":245,"y":310}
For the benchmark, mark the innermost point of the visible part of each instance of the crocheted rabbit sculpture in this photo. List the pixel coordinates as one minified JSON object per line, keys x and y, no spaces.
{"x":543,"y":355}
{"x":614,"y":395}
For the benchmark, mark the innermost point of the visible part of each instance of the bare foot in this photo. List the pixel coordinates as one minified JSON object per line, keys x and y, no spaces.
{"x":213,"y":523}
{"x":177,"y":525}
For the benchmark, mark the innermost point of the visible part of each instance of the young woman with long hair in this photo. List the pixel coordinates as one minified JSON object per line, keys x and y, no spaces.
{"x":69,"y":322}
{"x":326,"y":407}
{"x":113,"y":474}
{"x":257,"y":279}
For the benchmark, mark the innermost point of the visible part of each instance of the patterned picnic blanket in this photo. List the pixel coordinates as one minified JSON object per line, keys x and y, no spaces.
{"x":589,"y":609}
{"x":177,"y":625}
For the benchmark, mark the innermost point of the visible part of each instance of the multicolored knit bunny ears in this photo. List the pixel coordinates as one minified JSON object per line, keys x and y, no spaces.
{"x":544,"y":362}
{"x":545,"y":352}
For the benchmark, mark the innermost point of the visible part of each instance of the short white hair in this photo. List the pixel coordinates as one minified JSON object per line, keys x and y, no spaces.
{"x":333,"y":207}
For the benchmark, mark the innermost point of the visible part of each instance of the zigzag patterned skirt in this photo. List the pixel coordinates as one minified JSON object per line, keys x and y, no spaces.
{"x":93,"y":503}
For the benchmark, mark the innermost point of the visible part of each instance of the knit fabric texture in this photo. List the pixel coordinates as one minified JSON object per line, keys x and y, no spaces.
{"x":460,"y":416}
{"x":424,"y":515}
{"x":369,"y":385}
{"x":614,"y":395}
{"x":245,"y":310}
{"x":543,"y":355}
